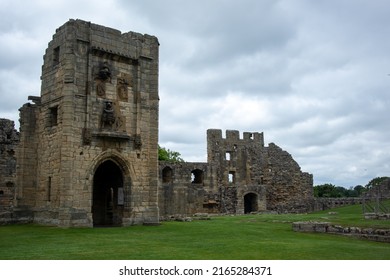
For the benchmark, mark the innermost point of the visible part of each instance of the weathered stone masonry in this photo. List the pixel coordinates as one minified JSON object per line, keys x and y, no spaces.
{"x":88,"y":144}
{"x":240,"y":176}
{"x":9,"y":139}
{"x":87,"y":153}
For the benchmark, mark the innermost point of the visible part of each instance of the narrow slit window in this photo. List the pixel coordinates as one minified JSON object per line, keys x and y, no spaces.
{"x":49,"y":189}
{"x":56,"y":56}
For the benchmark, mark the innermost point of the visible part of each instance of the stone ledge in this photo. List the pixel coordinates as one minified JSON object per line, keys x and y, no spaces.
{"x":377,"y":216}
{"x":113,"y":135}
{"x":379,"y":235}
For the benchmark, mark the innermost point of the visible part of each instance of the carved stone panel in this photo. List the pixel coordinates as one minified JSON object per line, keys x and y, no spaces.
{"x":108,"y":115}
{"x":102,"y":76}
{"x":123,"y":82}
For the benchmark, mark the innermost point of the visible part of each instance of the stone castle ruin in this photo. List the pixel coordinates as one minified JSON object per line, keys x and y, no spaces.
{"x":86,"y":153}
{"x":240,"y":176}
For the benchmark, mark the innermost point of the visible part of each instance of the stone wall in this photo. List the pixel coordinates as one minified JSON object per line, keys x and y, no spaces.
{"x":183,"y":188}
{"x":241,"y":176}
{"x":9,"y":139}
{"x":97,"y":115}
{"x":380,"y":235}
{"x":290,"y":189}
{"x":324,"y":203}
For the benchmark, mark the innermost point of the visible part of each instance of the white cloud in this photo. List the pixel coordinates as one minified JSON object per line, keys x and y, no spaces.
{"x":312,"y":75}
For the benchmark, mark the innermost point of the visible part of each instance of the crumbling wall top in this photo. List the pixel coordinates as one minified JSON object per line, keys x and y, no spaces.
{"x":8,"y":133}
{"x":231,"y":135}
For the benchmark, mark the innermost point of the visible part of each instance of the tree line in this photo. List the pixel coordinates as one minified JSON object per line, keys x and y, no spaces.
{"x":330,"y":190}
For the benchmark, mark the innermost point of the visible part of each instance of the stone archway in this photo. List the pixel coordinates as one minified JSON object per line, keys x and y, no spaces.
{"x":107,"y":206}
{"x":250,"y":203}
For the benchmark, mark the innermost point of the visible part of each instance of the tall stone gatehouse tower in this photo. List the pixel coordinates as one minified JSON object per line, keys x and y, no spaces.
{"x":88,"y":144}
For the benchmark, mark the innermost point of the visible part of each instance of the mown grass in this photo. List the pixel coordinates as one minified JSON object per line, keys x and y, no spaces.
{"x":265,"y":236}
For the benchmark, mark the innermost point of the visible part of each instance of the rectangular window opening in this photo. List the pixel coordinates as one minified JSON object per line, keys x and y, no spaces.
{"x":53,"y":116}
{"x":232,"y":177}
{"x":56,"y":56}
{"x":228,"y":155}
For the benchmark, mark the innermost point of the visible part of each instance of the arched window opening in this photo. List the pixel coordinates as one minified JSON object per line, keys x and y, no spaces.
{"x":197,"y":176}
{"x":167,"y":175}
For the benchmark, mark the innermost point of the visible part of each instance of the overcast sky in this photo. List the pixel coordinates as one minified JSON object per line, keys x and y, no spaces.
{"x":312,"y":75}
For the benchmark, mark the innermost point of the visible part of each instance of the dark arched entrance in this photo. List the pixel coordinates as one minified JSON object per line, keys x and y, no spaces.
{"x":107,"y":207}
{"x":250,"y":203}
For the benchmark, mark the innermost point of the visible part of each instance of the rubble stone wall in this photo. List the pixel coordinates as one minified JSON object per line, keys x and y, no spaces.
{"x":9,"y":140}
{"x":380,"y":235}
{"x":322,"y":203}
{"x":241,"y":176}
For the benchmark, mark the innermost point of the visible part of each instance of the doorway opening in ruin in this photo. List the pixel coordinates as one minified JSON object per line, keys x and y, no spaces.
{"x":108,"y":197}
{"x":250,"y":203}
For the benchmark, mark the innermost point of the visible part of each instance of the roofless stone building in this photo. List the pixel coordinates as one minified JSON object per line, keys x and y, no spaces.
{"x":241,"y":175}
{"x":86,"y":154}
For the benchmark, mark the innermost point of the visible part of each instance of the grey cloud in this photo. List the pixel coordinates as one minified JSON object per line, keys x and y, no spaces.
{"x":311,"y":74}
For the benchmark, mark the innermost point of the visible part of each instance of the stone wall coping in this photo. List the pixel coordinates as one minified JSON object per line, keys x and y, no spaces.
{"x":380,"y":235}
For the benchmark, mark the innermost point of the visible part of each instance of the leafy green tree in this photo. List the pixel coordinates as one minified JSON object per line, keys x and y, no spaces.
{"x":359,"y":190}
{"x":168,"y":155}
{"x":325,"y":190}
{"x":330,"y":190}
{"x":376,"y":182}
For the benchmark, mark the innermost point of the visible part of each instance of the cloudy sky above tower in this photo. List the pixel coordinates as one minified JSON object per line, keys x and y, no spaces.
{"x":312,"y":75}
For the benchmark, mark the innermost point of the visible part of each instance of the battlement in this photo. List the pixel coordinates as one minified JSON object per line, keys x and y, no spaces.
{"x":108,"y":42}
{"x":234,"y":135}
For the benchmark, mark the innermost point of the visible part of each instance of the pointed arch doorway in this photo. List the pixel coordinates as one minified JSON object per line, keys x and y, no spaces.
{"x":107,"y":206}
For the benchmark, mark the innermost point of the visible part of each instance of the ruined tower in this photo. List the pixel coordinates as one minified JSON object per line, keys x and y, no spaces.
{"x":241,"y":176}
{"x":237,"y":169}
{"x":253,"y":177}
{"x":88,"y":143}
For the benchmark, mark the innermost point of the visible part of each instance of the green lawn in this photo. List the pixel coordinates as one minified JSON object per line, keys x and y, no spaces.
{"x":265,"y":236}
